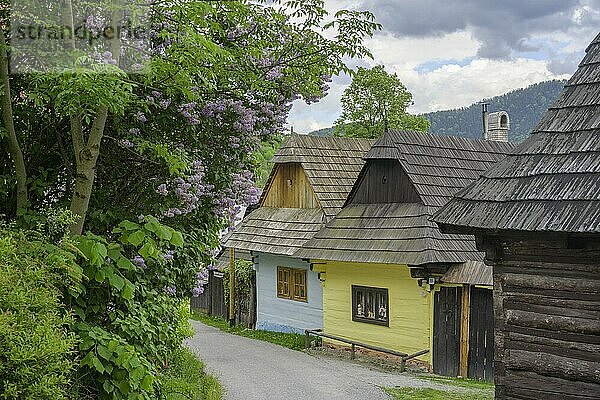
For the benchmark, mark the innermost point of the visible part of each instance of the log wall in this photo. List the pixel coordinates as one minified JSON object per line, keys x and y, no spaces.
{"x":547,"y":318}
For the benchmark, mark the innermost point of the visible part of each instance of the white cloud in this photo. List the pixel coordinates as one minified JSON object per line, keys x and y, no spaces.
{"x":452,"y":86}
{"x":445,"y":71}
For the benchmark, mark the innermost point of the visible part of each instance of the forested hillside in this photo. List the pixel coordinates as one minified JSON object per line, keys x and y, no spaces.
{"x":525,"y":107}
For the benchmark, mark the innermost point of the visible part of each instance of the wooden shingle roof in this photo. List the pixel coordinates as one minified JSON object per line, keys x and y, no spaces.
{"x":551,"y":182}
{"x":402,"y":233}
{"x":393,"y":233}
{"x":276,"y":230}
{"x":330,"y":163}
{"x":470,"y":273}
{"x":438,"y":166}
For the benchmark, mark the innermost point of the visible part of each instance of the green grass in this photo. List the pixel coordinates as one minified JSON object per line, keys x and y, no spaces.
{"x":185,"y":379}
{"x":292,"y":341}
{"x":460,"y":382}
{"x":408,"y":393}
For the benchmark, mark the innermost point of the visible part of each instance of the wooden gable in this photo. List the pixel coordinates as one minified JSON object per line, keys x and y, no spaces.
{"x":289,"y":188}
{"x":384,"y":181}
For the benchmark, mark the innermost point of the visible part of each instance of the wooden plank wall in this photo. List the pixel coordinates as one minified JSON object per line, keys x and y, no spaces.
{"x":384,"y":181}
{"x":446,"y":331}
{"x":290,"y":188}
{"x":481,"y":335}
{"x":547,"y":317}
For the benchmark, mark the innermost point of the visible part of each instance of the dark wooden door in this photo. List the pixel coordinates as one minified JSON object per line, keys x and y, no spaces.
{"x":446,"y":331}
{"x":481,"y":335}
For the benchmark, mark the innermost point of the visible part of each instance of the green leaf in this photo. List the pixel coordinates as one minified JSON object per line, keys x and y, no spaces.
{"x":129,"y":226}
{"x":164,"y":233}
{"x":98,"y":364}
{"x":125,"y":263}
{"x":137,"y":374}
{"x":148,"y":250}
{"x":124,"y":387}
{"x":86,"y":344}
{"x":104,"y":352}
{"x":87,"y":360}
{"x":177,"y":239}
{"x":112,"y":345}
{"x":116,"y":281}
{"x":147,"y":383}
{"x":152,"y":225}
{"x":100,"y":276}
{"x":136,"y":238}
{"x":108,"y":386}
{"x":127,"y":291}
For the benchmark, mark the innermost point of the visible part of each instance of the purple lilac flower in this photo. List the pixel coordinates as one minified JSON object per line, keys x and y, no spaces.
{"x":169,"y":255}
{"x":134,"y":131}
{"x":125,"y":143}
{"x":141,"y":117}
{"x":139,"y":261}
{"x":170,"y":290}
{"x":162,"y":189}
{"x":197,"y":291}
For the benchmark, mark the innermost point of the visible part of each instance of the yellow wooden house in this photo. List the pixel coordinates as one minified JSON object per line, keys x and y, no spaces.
{"x":383,"y":262}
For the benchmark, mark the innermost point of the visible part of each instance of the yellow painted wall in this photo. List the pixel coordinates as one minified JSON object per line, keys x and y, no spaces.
{"x":410,"y":307}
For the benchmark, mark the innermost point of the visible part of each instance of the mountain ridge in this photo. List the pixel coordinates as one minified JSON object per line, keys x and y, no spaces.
{"x":525,"y":107}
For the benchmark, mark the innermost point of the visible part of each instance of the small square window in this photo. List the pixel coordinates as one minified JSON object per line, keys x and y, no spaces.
{"x":370,"y":305}
{"x":291,"y":284}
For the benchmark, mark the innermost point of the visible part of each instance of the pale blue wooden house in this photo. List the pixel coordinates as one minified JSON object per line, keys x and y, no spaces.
{"x":308,"y":185}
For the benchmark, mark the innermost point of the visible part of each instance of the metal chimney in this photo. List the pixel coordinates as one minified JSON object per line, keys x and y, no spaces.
{"x":484,"y":117}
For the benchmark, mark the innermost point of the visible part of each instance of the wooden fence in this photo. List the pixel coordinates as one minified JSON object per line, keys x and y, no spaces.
{"x":213,"y":302}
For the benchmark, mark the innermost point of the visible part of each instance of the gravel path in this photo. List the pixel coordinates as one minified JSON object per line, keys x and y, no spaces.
{"x":251,"y":369}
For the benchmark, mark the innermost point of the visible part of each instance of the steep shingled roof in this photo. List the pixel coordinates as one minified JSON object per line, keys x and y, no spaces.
{"x":401,"y":233}
{"x":551,"y":182}
{"x":276,"y":230}
{"x":330,"y":163}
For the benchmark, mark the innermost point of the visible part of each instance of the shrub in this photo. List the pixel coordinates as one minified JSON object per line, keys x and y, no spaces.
{"x":130,"y":314}
{"x":36,"y":348}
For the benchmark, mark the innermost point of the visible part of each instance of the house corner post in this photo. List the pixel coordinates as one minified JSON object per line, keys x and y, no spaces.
{"x":231,"y":286}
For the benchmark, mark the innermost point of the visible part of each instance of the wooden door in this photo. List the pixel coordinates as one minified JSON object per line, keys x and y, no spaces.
{"x":446,"y":331}
{"x":481,"y":335}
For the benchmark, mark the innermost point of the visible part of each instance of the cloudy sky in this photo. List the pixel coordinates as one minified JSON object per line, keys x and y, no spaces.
{"x":452,"y":53}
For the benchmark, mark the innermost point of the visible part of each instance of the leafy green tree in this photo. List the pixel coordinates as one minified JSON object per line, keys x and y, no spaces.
{"x":155,"y":159}
{"x":216,"y":79}
{"x":375,"y":102}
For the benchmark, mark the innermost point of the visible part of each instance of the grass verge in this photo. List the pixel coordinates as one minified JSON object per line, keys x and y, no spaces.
{"x":292,"y":341}
{"x":185,"y":379}
{"x":460,"y":382}
{"x":408,"y":393}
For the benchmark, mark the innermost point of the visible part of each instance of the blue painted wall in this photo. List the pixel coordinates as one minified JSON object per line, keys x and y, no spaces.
{"x":283,"y":315}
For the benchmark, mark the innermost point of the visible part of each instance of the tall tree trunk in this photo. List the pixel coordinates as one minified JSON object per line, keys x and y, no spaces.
{"x":86,"y":157}
{"x":87,"y":151}
{"x":7,"y":119}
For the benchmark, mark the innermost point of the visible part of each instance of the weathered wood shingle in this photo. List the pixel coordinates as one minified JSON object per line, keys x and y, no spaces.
{"x":276,"y":230}
{"x":401,"y":232}
{"x":551,"y":182}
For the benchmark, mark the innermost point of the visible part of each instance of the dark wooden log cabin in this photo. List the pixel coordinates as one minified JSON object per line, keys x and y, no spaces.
{"x":536,"y":214}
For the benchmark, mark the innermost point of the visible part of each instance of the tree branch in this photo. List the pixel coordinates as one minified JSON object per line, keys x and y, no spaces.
{"x":8,"y":120}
